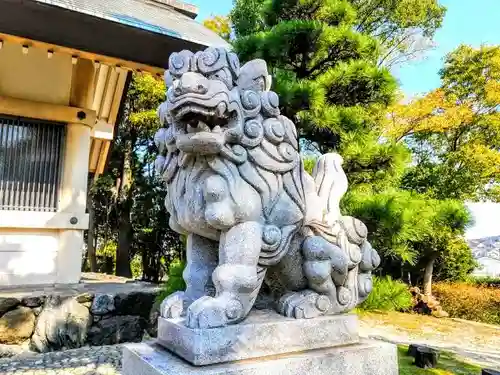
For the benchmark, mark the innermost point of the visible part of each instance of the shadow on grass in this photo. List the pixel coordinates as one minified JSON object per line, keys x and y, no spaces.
{"x":448,"y":364}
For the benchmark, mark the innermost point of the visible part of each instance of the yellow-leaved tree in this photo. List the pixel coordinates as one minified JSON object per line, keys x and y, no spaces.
{"x":221,"y":25}
{"x":454,"y":131}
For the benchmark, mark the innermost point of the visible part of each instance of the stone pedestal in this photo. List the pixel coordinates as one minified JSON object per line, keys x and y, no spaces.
{"x":263,"y":344}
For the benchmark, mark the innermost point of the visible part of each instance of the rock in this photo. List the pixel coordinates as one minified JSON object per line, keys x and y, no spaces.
{"x":16,"y":325}
{"x":426,"y":357}
{"x":103,"y":304}
{"x":7,"y":304}
{"x":33,"y":301}
{"x":84,"y":297}
{"x":37,"y":310}
{"x":63,"y":324}
{"x":425,"y":304}
{"x":7,"y":351}
{"x":116,"y":330}
{"x":154,"y":314}
{"x":490,"y":372}
{"x":135,"y":303}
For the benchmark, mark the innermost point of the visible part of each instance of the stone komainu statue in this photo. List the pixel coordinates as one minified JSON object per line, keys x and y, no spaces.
{"x":252,"y":215}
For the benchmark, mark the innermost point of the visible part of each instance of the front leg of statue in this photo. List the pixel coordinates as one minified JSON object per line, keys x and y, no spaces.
{"x":236,"y":279}
{"x":201,"y":262}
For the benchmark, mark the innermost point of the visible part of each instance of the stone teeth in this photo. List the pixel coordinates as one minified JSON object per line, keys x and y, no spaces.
{"x":217,"y":129}
{"x":203,"y":127}
{"x":221,"y":109}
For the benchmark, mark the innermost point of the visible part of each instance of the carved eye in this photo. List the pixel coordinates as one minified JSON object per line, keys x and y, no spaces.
{"x":260,"y":83}
{"x":223,"y":75}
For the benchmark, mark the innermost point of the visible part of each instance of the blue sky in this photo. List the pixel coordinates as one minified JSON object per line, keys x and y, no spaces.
{"x":472,"y":22}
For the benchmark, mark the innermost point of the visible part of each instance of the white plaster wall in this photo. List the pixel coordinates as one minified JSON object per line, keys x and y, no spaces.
{"x":28,"y":257}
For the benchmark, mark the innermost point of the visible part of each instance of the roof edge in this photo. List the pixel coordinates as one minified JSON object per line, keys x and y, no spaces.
{"x":187,"y":9}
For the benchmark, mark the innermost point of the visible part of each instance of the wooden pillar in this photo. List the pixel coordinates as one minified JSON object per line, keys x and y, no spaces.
{"x":73,"y":195}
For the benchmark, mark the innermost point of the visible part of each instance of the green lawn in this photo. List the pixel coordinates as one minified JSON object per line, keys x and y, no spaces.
{"x":447,"y":365}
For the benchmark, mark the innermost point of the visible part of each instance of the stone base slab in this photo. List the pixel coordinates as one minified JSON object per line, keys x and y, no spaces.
{"x":365,"y":358}
{"x":264,"y":333}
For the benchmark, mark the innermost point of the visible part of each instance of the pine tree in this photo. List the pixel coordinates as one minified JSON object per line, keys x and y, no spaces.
{"x":329,"y":83}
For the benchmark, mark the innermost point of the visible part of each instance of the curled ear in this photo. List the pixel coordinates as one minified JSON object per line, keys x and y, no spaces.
{"x":254,"y":76}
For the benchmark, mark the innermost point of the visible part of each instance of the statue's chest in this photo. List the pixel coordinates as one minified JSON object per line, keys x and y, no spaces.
{"x":207,"y":202}
{"x":186,"y":197}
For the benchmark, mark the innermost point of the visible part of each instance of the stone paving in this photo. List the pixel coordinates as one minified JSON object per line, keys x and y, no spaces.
{"x":104,"y":360}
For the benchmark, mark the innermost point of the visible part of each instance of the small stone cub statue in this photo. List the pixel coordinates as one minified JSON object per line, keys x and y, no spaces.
{"x":252,"y":215}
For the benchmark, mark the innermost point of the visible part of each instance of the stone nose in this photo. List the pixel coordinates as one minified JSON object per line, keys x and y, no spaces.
{"x":191,"y":83}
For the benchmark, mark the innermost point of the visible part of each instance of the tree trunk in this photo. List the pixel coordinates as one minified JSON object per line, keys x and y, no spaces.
{"x":124,"y":242}
{"x":429,"y":269}
{"x":124,"y":197}
{"x":91,"y":255}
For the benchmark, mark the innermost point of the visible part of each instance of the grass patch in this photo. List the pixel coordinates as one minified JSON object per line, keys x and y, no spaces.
{"x":447,"y":365}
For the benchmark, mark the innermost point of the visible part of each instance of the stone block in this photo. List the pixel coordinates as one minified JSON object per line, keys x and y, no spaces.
{"x":102,"y":304}
{"x":16,"y":325}
{"x":365,"y":358}
{"x":263,"y":333}
{"x":63,"y":323}
{"x":7,"y":304}
{"x":134,"y":303}
{"x":116,"y":330}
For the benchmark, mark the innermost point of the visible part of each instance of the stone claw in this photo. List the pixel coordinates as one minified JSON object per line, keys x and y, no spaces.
{"x":303,"y":305}
{"x":210,"y":312}
{"x":172,"y":307}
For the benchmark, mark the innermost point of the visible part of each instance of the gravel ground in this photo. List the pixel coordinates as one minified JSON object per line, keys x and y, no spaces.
{"x":104,"y":360}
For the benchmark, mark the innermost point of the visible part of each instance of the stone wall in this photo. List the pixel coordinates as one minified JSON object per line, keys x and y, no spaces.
{"x":61,"y":321}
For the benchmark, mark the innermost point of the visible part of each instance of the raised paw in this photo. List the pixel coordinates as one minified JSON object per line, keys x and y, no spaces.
{"x":304,"y":305}
{"x":210,"y":312}
{"x":172,"y":306}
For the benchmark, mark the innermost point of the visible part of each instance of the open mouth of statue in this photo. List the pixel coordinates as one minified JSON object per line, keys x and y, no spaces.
{"x":202,"y":128}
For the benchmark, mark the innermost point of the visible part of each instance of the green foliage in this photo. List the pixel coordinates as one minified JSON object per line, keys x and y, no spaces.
{"x":484,"y":281}
{"x":388,"y":295}
{"x":309,"y":163}
{"x":246,"y":16}
{"x":128,"y":199}
{"x":404,"y":27}
{"x":471,"y":302}
{"x":456,"y":263}
{"x":175,"y":281}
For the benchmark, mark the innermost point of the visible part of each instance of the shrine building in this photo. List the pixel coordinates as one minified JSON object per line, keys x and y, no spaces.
{"x":64,"y":70}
